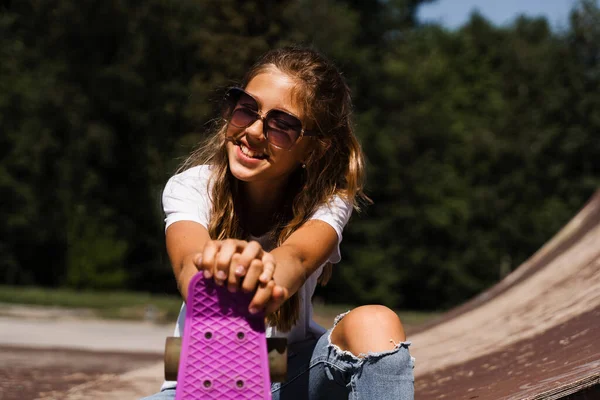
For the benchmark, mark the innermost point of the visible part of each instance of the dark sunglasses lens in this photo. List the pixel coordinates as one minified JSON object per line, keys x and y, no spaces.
{"x":242,"y":117}
{"x":236,"y":98}
{"x":283,"y":129}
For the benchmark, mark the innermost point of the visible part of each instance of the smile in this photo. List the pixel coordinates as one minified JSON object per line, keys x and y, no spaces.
{"x":252,"y":154}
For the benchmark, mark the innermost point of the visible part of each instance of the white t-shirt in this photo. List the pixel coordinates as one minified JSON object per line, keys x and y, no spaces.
{"x":186,"y":197}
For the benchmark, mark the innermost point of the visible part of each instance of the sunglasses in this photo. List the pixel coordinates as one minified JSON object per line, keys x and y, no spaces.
{"x":281,"y":129}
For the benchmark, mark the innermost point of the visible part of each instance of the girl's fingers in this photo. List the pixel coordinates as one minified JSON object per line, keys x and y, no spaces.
{"x":279,"y":295}
{"x":268,"y":268}
{"x":197,"y":260}
{"x":208,"y":258}
{"x":261,"y":297}
{"x":223,"y":259}
{"x":251,"y":279}
{"x":237,"y":262}
{"x":251,"y":251}
{"x":234,"y":261}
{"x":234,"y":279}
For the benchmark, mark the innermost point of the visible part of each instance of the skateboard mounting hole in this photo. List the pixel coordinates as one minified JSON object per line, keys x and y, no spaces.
{"x":239,"y":383}
{"x":207,"y":383}
{"x":208,"y":335}
{"x":241,"y":336}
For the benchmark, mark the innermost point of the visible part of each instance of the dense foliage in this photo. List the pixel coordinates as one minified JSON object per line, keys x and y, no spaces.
{"x":482,"y":142}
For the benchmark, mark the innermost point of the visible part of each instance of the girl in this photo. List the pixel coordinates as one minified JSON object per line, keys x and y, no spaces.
{"x":262,"y":205}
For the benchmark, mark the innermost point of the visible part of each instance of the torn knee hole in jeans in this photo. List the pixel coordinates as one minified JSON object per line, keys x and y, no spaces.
{"x":362,"y":357}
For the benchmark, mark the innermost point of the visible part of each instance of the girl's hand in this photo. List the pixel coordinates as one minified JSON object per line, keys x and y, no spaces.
{"x":243,"y":265}
{"x":229,"y":261}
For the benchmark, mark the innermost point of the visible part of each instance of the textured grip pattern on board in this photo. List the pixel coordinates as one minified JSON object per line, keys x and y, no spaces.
{"x":224,"y":353}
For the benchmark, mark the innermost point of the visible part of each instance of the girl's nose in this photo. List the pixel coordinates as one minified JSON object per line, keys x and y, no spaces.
{"x":256,"y":130}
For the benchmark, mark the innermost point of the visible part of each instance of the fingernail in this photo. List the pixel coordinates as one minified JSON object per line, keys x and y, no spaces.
{"x":199,"y":259}
{"x":253,"y":310}
{"x":221,"y":275}
{"x":240,"y":270}
{"x":207,"y":274}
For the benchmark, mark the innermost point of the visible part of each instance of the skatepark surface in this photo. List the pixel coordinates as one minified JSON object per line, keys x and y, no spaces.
{"x":54,"y":355}
{"x":532,"y":336}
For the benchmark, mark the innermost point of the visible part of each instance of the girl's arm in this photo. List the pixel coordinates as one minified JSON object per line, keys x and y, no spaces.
{"x":185,"y":241}
{"x":309,"y":247}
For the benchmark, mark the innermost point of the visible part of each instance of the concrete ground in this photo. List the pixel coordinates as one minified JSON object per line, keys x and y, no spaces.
{"x":58,"y":354}
{"x":53,"y":353}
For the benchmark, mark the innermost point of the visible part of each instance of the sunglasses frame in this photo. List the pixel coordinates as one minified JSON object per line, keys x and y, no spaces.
{"x":230,"y":107}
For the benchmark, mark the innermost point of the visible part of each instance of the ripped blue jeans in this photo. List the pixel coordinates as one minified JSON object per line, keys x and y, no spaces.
{"x":318,"y":369}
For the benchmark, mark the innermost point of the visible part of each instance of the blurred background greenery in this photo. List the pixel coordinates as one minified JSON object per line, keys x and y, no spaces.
{"x":482,"y":141}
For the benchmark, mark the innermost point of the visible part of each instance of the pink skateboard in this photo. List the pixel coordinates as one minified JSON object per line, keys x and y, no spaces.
{"x":224,"y":352}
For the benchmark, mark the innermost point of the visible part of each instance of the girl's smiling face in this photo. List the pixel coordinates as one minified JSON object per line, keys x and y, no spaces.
{"x":251,"y":158}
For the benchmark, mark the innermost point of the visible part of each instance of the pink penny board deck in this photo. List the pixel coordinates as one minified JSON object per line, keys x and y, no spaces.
{"x":224,"y":349}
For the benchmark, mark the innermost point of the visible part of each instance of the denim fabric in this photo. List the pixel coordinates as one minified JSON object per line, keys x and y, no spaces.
{"x":319,"y":370}
{"x":167,"y":394}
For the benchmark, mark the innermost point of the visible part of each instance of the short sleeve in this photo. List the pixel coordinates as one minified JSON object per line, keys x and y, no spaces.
{"x":336,"y":213}
{"x":186,"y":197}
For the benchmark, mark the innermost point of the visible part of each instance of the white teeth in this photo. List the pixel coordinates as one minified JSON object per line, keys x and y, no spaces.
{"x":251,"y":153}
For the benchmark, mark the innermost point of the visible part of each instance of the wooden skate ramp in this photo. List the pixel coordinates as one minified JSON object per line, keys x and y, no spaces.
{"x":535,"y":335}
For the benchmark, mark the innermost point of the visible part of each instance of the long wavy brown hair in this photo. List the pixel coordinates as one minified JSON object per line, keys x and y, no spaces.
{"x":335,"y":166}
